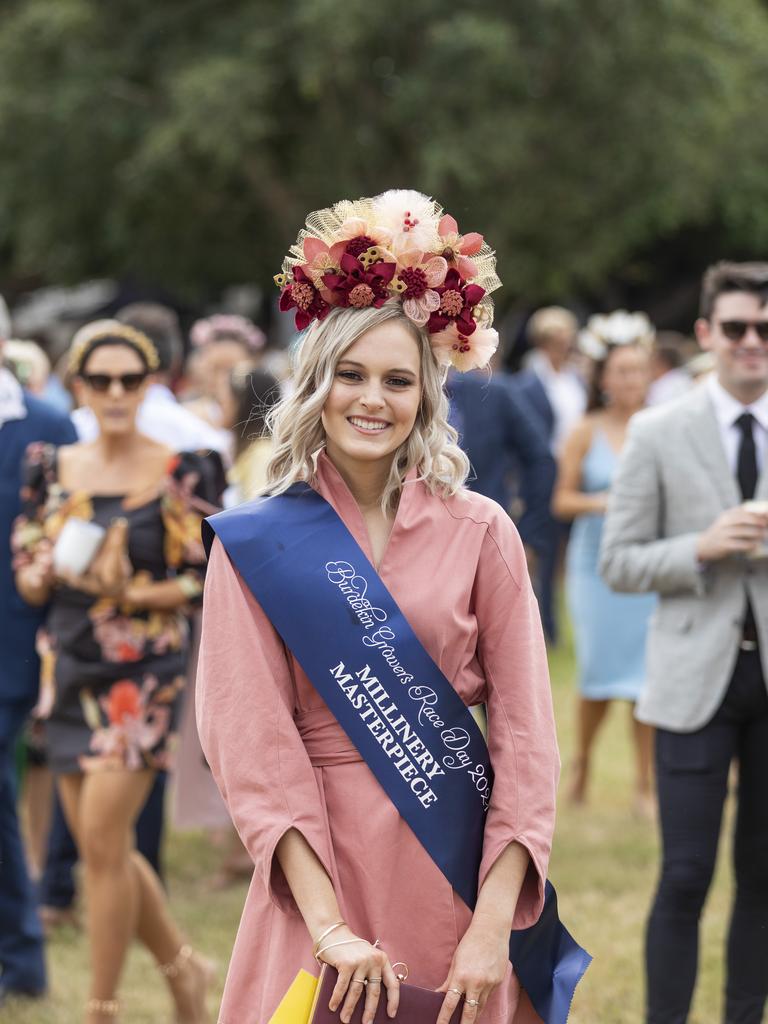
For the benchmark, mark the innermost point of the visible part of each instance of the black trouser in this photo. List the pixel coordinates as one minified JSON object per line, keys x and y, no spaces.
{"x":692,"y":779}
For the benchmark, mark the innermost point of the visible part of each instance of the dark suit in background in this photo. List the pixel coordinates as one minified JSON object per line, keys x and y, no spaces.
{"x":21,"y":939}
{"x":503,"y":435}
{"x":550,"y":531}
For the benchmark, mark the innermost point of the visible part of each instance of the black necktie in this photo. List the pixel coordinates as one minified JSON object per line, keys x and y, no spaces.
{"x":747,"y":473}
{"x":747,"y":464}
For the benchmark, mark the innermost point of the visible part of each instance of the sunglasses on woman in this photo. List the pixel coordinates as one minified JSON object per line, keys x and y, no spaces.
{"x":103,"y":381}
{"x":735,"y":330}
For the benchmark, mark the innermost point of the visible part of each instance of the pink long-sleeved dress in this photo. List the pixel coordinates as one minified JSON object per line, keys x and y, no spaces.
{"x":457,"y":570}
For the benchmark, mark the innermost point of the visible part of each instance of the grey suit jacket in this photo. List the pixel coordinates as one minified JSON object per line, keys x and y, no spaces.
{"x":673,"y":481}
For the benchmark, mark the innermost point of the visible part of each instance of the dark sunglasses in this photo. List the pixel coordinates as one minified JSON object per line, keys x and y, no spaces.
{"x":735,"y":330}
{"x":103,"y":381}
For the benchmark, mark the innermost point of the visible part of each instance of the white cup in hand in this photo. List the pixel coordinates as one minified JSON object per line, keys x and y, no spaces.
{"x":76,"y":546}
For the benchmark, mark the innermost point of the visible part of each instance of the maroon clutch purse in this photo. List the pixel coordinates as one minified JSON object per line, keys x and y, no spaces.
{"x":417,"y":1005}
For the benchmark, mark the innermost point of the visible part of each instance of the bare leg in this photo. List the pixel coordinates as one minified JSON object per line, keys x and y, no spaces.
{"x":642,"y":734}
{"x":109,"y":804}
{"x":590,"y":717}
{"x":160,"y":934}
{"x":130,"y":882}
{"x":36,"y":816}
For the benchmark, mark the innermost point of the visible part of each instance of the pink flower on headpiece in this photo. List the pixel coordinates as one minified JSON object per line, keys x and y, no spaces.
{"x":456,"y":247}
{"x":321,"y":259}
{"x":360,"y":286}
{"x":416,"y":281}
{"x":464,"y":352}
{"x":457,"y":301}
{"x":305,"y":299}
{"x":226,"y":326}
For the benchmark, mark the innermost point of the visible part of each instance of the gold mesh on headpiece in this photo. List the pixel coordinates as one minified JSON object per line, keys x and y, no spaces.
{"x":89,"y":336}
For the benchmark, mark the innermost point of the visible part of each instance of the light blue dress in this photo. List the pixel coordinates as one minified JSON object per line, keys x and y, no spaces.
{"x":609,"y":629}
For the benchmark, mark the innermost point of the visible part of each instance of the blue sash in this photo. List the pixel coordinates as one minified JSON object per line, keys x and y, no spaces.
{"x":332,"y":610}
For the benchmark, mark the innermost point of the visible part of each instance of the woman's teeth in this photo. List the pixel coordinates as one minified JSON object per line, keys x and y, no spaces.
{"x":373,"y":425}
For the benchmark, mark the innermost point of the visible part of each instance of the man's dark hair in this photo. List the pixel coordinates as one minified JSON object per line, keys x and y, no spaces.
{"x":161,"y":326}
{"x":732,"y":277}
{"x":668,"y":347}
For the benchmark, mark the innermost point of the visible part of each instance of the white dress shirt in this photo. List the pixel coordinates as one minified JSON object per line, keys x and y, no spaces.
{"x":565,"y":393}
{"x":727,"y":410}
{"x":163,"y":419}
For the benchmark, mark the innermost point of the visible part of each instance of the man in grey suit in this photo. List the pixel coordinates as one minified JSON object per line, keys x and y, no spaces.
{"x":678,"y":523}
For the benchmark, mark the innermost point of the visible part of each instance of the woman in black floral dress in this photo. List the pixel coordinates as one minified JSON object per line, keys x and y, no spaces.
{"x":114,"y":648}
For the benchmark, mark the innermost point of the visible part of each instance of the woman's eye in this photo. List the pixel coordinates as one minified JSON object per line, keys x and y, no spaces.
{"x":399,"y":382}
{"x":348,"y":375}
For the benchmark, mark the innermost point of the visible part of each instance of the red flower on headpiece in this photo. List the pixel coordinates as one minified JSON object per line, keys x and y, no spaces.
{"x":457,"y":301}
{"x":304,"y":298}
{"x":358,"y":285}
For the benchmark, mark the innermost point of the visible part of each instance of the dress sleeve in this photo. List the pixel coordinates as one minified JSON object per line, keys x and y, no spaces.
{"x":245,"y":702}
{"x":521,"y":728}
{"x":190,"y":495}
{"x":38,"y":471}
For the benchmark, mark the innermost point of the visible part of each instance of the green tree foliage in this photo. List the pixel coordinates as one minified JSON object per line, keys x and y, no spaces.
{"x":184,"y":141}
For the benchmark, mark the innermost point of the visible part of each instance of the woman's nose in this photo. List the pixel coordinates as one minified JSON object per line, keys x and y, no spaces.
{"x":373,"y":397}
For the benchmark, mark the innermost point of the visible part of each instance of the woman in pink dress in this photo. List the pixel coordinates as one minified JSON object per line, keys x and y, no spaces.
{"x":366,"y":427}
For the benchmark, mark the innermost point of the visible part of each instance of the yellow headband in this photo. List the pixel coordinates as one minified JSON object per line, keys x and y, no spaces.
{"x":88,"y":337}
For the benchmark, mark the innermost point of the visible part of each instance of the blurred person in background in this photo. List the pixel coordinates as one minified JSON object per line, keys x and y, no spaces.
{"x":500,"y":433}
{"x":219,"y":343}
{"x":252,"y":393}
{"x":30,"y":365}
{"x":669,"y":377}
{"x":164,"y":420}
{"x":161,"y":417}
{"x":688,"y":518}
{"x":115,"y":645}
{"x":609,"y":629}
{"x":24,"y":419}
{"x":555,"y":391}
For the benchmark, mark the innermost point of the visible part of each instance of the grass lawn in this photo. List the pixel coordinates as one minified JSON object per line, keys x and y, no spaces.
{"x":604,"y":866}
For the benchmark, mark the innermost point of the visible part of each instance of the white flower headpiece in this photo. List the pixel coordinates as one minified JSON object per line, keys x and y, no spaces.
{"x":603,"y":331}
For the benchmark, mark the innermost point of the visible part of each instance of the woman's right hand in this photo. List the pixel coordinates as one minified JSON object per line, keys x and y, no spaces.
{"x":358,"y":962}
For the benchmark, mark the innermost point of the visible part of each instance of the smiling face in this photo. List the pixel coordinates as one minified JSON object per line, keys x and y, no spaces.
{"x":374,"y":399}
{"x":115,"y":408}
{"x":741,"y":365}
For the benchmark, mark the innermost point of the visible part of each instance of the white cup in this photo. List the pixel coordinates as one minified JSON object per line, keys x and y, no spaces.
{"x":761,"y":507}
{"x":76,"y":546}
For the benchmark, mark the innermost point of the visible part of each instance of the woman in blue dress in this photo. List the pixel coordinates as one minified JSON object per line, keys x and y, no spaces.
{"x":609,"y":628}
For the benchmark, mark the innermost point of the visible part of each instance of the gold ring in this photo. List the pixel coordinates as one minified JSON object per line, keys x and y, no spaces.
{"x":373,"y":981}
{"x":360,"y":981}
{"x":472,"y":1002}
{"x":457,"y":991}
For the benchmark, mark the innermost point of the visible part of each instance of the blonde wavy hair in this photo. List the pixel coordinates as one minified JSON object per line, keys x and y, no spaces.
{"x":296,"y":421}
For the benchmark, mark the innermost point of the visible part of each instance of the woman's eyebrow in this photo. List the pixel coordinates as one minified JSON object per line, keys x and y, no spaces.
{"x":352,"y":362}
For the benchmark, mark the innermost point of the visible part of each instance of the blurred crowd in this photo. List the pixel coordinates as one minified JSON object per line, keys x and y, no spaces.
{"x":544,"y":441}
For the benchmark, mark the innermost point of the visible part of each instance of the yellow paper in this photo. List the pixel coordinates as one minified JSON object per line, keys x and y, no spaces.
{"x":296,"y":1005}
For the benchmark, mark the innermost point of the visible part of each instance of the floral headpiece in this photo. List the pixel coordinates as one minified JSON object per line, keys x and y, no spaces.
{"x":603,"y":332}
{"x":399,"y":245}
{"x":227,"y":325}
{"x":101,"y":332}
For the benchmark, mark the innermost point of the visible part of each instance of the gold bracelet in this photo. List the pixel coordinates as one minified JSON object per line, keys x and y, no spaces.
{"x":326,"y":933}
{"x":332,"y":945}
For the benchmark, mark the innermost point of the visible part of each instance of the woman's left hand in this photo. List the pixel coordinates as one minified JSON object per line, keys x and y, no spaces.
{"x":479,"y":965}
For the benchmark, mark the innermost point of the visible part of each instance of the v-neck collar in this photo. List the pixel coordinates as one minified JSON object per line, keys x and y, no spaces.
{"x":331,"y":485}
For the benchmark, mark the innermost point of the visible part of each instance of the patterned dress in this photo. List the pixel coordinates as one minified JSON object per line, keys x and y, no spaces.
{"x":112,"y":674}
